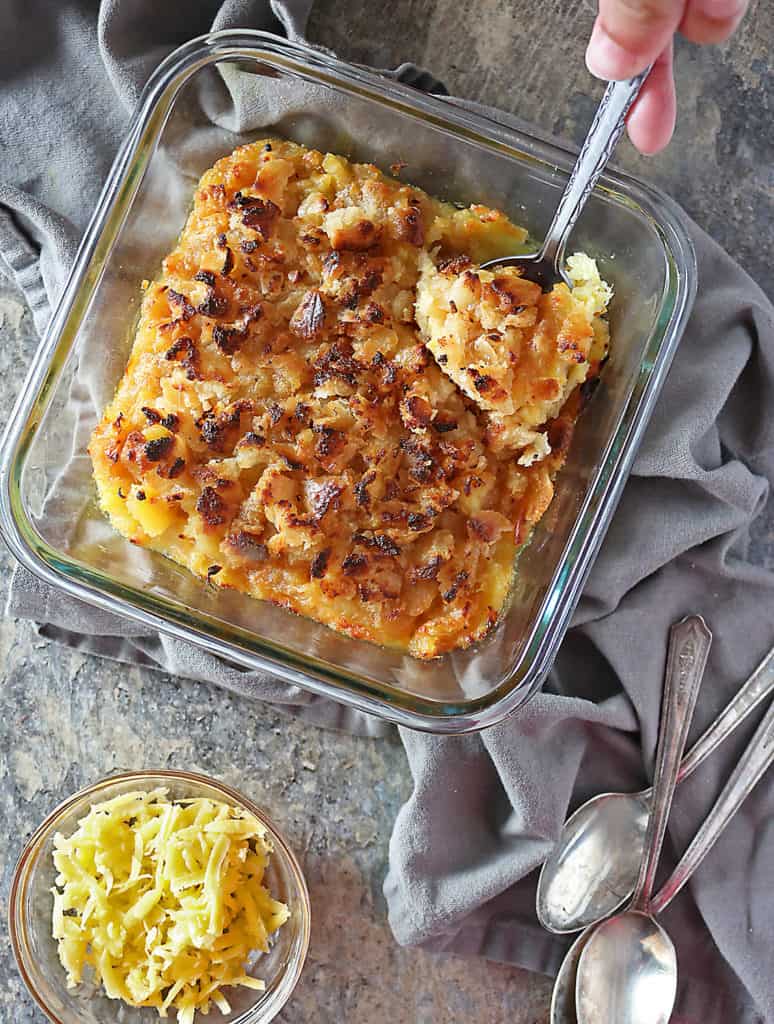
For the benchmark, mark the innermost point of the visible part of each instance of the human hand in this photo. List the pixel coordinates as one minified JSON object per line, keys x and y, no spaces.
{"x":629,"y":35}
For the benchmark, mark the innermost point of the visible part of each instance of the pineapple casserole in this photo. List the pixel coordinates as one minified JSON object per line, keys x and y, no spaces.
{"x":330,"y":406}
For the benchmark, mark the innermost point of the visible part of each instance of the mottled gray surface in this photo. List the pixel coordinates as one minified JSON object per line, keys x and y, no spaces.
{"x":66,"y":720}
{"x":527,"y":58}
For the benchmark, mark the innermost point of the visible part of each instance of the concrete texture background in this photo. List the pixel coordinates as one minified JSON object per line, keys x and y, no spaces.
{"x":527,"y":58}
{"x":66,"y":720}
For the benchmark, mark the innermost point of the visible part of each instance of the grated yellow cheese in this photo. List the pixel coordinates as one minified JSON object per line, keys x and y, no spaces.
{"x":164,"y":900}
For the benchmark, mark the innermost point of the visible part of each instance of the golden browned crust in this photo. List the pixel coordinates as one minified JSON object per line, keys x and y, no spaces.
{"x":283,"y":429}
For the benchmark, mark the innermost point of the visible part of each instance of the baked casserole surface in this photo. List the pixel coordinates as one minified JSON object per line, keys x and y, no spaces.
{"x":330,"y":406}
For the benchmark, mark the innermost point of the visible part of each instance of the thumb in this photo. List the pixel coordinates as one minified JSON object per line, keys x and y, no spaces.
{"x":630,"y":34}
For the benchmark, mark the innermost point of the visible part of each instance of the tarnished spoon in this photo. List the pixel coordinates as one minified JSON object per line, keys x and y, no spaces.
{"x":546,"y":267}
{"x":613,"y":995}
{"x":592,"y":870}
{"x":689,"y":646}
{"x":627,"y":968}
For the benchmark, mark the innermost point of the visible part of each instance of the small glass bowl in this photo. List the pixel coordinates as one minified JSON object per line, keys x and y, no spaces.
{"x":31,"y":904}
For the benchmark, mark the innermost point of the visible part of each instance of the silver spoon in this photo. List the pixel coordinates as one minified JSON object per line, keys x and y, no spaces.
{"x":689,"y":643}
{"x":546,"y":267}
{"x":626,"y":974}
{"x":592,"y":870}
{"x":563,"y":995}
{"x":755,"y":761}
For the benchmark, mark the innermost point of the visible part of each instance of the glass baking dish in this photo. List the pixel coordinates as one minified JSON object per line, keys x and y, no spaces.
{"x":209,"y":96}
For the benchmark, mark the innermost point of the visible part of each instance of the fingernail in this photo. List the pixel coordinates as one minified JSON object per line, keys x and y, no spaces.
{"x":722,"y":10}
{"x":605,"y":58}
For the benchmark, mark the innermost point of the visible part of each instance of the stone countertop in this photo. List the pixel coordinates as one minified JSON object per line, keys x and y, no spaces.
{"x":527,"y":59}
{"x":67,"y":719}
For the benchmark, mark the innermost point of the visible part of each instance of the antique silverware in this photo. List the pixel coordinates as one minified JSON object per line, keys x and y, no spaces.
{"x":619,"y":977}
{"x":593,"y":868}
{"x":627,"y":972}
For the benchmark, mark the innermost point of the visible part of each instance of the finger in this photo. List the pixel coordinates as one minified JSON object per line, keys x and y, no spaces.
{"x":651,"y":121}
{"x":630,"y":34}
{"x":712,"y":21}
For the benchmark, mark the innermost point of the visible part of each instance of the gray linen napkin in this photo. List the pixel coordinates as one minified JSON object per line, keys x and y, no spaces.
{"x":486,"y":808}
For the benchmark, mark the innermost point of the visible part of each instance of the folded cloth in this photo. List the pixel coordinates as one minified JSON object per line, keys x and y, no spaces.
{"x":486,"y":808}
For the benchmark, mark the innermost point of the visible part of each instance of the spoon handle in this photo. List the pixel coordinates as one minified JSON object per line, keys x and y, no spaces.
{"x":605,"y":131}
{"x":752,"y":765}
{"x":689,"y":644}
{"x":759,"y":686}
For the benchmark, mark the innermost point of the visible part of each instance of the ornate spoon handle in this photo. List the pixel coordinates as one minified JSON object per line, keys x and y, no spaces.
{"x":689,"y":644}
{"x":752,"y":765}
{"x":759,"y":686}
{"x":606,"y":129}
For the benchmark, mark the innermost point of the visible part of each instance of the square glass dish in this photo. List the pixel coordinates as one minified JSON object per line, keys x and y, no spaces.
{"x":209,"y":96}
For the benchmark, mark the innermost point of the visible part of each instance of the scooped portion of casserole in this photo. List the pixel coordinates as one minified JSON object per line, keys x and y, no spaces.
{"x":330,"y":406}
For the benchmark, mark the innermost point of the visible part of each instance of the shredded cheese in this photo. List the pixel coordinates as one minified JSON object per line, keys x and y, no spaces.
{"x":164,"y":900}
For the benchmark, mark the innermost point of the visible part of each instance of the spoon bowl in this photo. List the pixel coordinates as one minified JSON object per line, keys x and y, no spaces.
{"x":543,"y":268}
{"x":604,"y":841}
{"x":627,"y":973}
{"x":563,"y":995}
